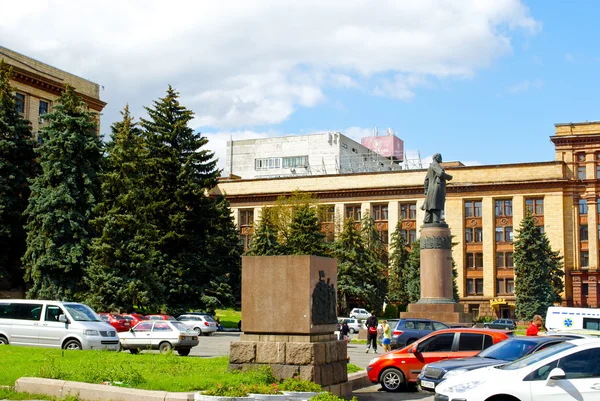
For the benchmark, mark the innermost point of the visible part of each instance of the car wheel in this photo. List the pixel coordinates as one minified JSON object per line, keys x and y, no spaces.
{"x":134,"y":351}
{"x":73,"y":345}
{"x":198,"y":331}
{"x":352,"y":317}
{"x":3,"y":341}
{"x":184,"y":352}
{"x":351,"y":331}
{"x":165,"y":347}
{"x":391,"y":379}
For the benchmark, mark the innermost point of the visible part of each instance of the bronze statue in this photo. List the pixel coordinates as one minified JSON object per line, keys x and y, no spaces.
{"x":435,"y":191}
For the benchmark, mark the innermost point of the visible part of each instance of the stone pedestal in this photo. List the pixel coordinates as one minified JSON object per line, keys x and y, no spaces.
{"x":288,"y":318}
{"x":436,"y":300}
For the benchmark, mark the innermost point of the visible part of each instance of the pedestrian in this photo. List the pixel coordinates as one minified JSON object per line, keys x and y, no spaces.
{"x":387,"y":337}
{"x":344,"y":330}
{"x":534,"y":328}
{"x":372,"y":324}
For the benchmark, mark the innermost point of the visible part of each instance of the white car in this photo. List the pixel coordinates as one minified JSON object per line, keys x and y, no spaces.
{"x":359,"y":313}
{"x":354,"y":325}
{"x":162,"y":335}
{"x":201,"y":324}
{"x":566,"y":371}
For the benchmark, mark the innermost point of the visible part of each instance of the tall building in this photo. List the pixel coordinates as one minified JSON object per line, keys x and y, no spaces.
{"x":484,"y":207}
{"x":315,"y":154}
{"x":38,"y":85}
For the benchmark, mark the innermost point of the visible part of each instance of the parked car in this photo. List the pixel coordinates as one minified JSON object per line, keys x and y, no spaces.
{"x":397,"y":368}
{"x":201,"y":324}
{"x":162,"y":335}
{"x":359,"y":313}
{"x":506,"y":324}
{"x":134,"y":318}
{"x":354,"y":325}
{"x":574,"y":333}
{"x":160,"y":317}
{"x":410,"y":330}
{"x":116,"y":321}
{"x":510,"y":350}
{"x":566,"y":371}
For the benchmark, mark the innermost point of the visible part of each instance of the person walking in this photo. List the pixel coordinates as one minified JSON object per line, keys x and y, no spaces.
{"x":372,"y":324}
{"x":344,"y":330}
{"x":534,"y":328}
{"x":387,"y":337}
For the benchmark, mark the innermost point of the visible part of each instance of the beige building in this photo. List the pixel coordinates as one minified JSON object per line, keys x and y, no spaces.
{"x":484,"y":207}
{"x":38,"y":85}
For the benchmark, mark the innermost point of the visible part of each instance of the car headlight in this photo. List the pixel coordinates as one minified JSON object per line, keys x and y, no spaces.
{"x":90,"y":332}
{"x":463,"y":387}
{"x":454,"y":372}
{"x":372,"y":361}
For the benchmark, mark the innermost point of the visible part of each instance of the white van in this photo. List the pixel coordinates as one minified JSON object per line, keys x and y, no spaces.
{"x":54,"y":324}
{"x":565,"y":318}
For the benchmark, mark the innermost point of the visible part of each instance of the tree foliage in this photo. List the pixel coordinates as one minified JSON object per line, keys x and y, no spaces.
{"x":17,"y":165}
{"x":536,"y":266}
{"x":284,"y":209}
{"x":264,"y":240}
{"x":398,"y":267}
{"x":62,"y":199}
{"x":377,"y":262}
{"x":413,"y":274}
{"x":305,"y":237}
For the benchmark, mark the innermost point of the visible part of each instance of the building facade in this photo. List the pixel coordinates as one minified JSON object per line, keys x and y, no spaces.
{"x":484,"y":207}
{"x":38,"y":85}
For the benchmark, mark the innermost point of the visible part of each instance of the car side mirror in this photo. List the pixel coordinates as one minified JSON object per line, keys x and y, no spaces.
{"x":555,"y":374}
{"x":62,"y":318}
{"x":413,"y":350}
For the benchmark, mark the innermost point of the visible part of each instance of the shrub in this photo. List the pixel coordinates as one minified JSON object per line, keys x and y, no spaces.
{"x":329,"y":397}
{"x":296,"y":384}
{"x":391,"y":312}
{"x":227,"y":391}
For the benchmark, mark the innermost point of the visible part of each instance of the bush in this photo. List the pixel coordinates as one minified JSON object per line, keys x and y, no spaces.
{"x":329,"y":397}
{"x":296,"y":384}
{"x":391,"y":312}
{"x":484,"y":319}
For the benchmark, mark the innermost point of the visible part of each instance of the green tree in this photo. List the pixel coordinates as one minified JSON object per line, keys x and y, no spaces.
{"x":62,"y":199}
{"x":377,"y":262}
{"x":305,"y":237}
{"x":181,"y":171}
{"x":534,"y":262}
{"x":413,"y":274}
{"x":284,"y":210}
{"x":398,"y":267}
{"x":264,"y":240}
{"x":122,"y":269}
{"x":17,"y":165}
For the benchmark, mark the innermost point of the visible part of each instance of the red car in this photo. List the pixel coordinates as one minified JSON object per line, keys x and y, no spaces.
{"x":116,"y":321}
{"x":160,"y":317}
{"x":397,"y":368}
{"x":134,"y":318}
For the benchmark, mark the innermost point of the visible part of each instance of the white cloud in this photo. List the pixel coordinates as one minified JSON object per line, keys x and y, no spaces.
{"x":253,"y":63}
{"x":524,"y":86}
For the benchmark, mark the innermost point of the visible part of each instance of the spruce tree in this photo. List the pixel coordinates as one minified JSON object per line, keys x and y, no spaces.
{"x":62,"y":199}
{"x":398,"y":267}
{"x":305,"y":237}
{"x":264,"y":240}
{"x":122,"y":270}
{"x":413,"y":274}
{"x":181,"y":170}
{"x":17,"y":165}
{"x":533,"y":259}
{"x":377,"y":262}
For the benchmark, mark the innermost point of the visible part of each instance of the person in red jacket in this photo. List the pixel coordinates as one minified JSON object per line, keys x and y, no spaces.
{"x":372,"y":324}
{"x":534,"y":327}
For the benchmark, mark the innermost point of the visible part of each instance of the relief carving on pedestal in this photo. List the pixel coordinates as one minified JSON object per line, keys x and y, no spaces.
{"x":324,"y":301}
{"x":436,"y":243}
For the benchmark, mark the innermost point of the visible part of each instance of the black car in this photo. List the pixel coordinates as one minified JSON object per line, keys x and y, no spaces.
{"x":410,"y":330}
{"x":505,"y":351}
{"x":502,"y":324}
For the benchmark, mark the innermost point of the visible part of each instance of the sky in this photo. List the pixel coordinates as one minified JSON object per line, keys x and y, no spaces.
{"x":480,"y":81}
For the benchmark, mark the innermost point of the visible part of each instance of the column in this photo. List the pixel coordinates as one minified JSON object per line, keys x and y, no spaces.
{"x":489,"y":256}
{"x":393,"y":218}
{"x":592,"y":204}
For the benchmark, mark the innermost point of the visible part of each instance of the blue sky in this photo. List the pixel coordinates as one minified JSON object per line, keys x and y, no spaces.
{"x":482,"y":81}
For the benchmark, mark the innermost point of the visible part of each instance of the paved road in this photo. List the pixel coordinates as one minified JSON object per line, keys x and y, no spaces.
{"x":218,"y":345}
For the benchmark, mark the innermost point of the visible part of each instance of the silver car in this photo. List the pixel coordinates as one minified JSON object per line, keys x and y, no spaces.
{"x":354,"y":325}
{"x":201,"y":324}
{"x":159,"y":335}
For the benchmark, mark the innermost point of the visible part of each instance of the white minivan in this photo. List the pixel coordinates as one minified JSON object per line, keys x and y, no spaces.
{"x":54,"y":324}
{"x":568,"y":318}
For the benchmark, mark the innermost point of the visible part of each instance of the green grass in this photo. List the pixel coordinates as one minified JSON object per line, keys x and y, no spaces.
{"x":353,"y":368}
{"x":229,"y":317}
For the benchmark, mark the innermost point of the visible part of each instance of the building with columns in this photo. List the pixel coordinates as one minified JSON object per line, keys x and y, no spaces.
{"x":484,"y":207}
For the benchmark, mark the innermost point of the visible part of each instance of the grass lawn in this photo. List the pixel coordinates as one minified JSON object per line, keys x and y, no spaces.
{"x":229,"y":317}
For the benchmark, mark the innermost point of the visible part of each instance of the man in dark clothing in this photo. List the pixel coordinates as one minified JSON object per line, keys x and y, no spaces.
{"x":372,"y":324}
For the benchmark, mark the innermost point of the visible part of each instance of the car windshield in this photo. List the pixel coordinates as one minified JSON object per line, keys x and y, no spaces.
{"x":180,"y":326}
{"x":509,"y":350}
{"x":82,"y":313}
{"x":536,"y":356}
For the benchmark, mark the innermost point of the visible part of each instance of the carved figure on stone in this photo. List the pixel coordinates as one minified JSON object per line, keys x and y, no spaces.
{"x":323,"y":302}
{"x":435,"y":191}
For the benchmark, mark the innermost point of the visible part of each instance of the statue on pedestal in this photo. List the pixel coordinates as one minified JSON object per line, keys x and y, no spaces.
{"x":435,"y":191}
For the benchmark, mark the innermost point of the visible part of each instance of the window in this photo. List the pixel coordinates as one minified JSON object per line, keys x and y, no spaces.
{"x":535,"y":206}
{"x":410,"y":236}
{"x":353,"y":213}
{"x":583,"y":232}
{"x":591,"y":323}
{"x":505,"y":286}
{"x":268,"y":163}
{"x":583,"y":207}
{"x":504,"y":259}
{"x":20,"y":101}
{"x":598,"y":171}
{"x":408,"y":211}
{"x":474,"y":235}
{"x":504,"y":234}
{"x":298,"y":161}
{"x":439,"y":343}
{"x":585,"y":259}
{"x":473,"y":209}
{"x":383,"y":236}
{"x":246,"y":217}
{"x":380,"y":212}
{"x":503,"y":207}
{"x":581,"y":173}
{"x":474,"y":309}
{"x":327,"y":213}
{"x":470,"y":342}
{"x":43,"y":109}
{"x":144,"y":326}
{"x":474,"y":286}
{"x":474,"y":260}
{"x":53,"y":312}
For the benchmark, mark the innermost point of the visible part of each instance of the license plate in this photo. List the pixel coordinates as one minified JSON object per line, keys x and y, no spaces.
{"x":427,"y":384}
